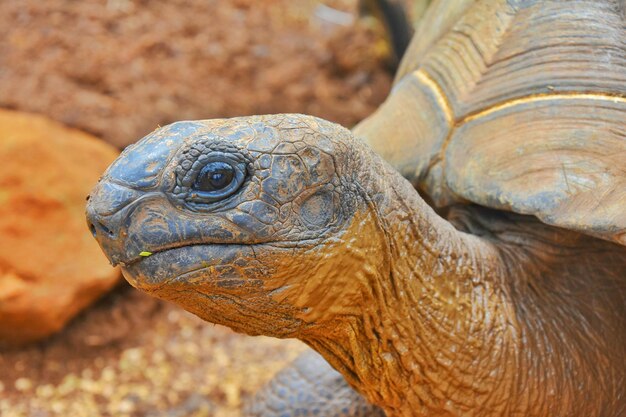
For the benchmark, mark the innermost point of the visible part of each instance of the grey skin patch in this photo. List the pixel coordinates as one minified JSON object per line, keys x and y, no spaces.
{"x":142,"y":163}
{"x":288,"y":178}
{"x":317,"y":210}
{"x":109,"y":198}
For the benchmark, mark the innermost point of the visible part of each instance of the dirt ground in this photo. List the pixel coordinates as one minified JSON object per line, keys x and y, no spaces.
{"x":118,"y":69}
{"x":132,"y":355}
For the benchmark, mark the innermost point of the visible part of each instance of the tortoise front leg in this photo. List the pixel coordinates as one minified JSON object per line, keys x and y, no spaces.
{"x":309,"y":387}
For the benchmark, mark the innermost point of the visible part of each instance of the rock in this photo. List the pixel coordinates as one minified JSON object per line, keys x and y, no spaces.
{"x":50,"y":266}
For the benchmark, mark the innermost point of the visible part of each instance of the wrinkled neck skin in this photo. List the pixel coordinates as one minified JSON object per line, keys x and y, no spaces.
{"x":452,"y":324}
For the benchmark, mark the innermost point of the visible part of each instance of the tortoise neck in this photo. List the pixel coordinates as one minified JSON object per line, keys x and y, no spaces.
{"x":432,"y":304}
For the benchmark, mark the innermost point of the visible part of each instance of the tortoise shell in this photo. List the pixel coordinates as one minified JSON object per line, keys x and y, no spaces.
{"x":514,"y":105}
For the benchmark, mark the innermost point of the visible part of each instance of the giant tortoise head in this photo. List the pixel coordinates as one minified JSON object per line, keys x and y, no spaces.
{"x":242,"y":221}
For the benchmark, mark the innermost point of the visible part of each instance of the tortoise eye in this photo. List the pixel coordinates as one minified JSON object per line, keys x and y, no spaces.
{"x":216,"y":181}
{"x":214,"y":176}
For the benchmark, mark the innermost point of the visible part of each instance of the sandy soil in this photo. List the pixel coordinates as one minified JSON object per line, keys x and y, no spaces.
{"x":119,"y":68}
{"x":132,"y":355}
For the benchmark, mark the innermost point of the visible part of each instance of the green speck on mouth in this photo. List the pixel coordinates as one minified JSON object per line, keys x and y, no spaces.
{"x":145,"y":254}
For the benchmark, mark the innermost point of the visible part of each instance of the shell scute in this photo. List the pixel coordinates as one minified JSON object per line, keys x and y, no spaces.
{"x":535,"y":98}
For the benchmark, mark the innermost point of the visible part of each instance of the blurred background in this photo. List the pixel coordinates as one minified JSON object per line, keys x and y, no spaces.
{"x":81,"y":80}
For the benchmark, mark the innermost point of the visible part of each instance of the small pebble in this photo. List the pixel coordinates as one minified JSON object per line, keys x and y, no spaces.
{"x":108,"y":374}
{"x":126,"y":406}
{"x":45,"y":391}
{"x":23,"y":384}
{"x":57,"y":406}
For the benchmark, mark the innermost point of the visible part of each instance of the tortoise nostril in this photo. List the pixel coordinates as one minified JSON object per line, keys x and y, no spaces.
{"x":105,"y":229}
{"x":98,"y":226}
{"x":92,"y":228}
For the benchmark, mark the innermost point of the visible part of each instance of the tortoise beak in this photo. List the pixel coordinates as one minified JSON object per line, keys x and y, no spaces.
{"x":106,"y":209}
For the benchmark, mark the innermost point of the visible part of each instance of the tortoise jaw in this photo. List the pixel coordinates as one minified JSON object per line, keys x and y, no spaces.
{"x":130,"y":261}
{"x":209,"y":263}
{"x":217,"y":262}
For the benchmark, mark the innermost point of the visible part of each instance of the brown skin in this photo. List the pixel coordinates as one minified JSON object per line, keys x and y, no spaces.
{"x":509,"y":317}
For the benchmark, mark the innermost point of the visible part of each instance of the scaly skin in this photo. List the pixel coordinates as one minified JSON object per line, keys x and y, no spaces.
{"x":309,"y":387}
{"x":327,"y":243}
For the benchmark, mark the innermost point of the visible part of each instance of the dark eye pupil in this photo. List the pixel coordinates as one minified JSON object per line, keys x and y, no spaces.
{"x":215,"y":176}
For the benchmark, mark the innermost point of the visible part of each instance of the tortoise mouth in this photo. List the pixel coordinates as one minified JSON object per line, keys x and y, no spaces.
{"x":129,"y":262}
{"x":166,"y":265}
{"x":223,"y":264}
{"x":151,"y":252}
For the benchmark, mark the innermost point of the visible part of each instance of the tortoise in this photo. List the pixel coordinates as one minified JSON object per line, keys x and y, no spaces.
{"x":461,"y":252}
